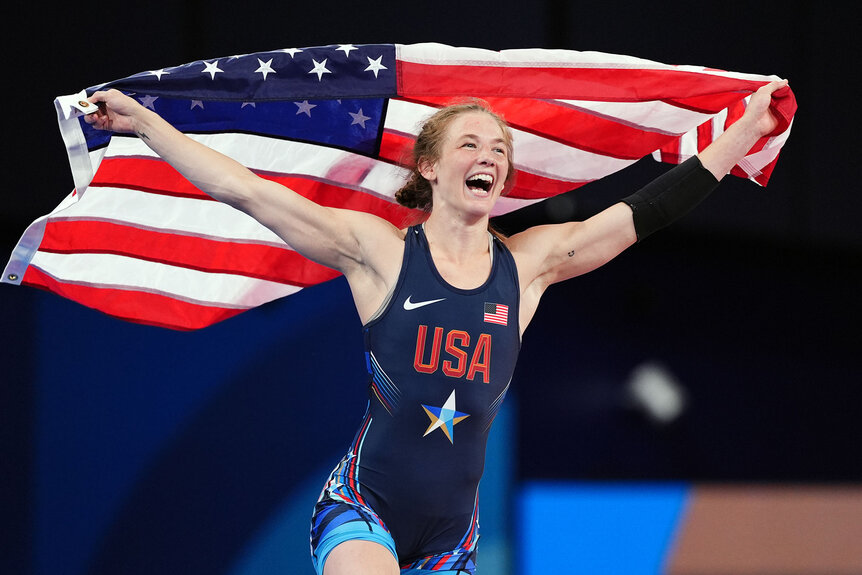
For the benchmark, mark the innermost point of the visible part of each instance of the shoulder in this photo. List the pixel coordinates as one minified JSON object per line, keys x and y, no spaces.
{"x":374,"y":273}
{"x":373,"y":235}
{"x":556,"y":252}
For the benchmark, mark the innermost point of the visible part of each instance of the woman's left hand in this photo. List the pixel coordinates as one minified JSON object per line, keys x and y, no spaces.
{"x":758,"y":113}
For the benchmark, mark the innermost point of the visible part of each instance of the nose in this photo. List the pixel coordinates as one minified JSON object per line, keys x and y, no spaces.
{"x":486,"y":158}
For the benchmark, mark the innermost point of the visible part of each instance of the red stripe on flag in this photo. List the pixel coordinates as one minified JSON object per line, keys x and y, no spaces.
{"x":704,"y":135}
{"x":670,"y":152}
{"x":571,"y":126}
{"x":396,"y":148}
{"x":713,"y":103}
{"x":572,"y":83}
{"x":157,"y":177}
{"x":134,"y":306}
{"x":151,"y":175}
{"x":278,"y":264}
{"x":529,"y":186}
{"x":734,"y":113}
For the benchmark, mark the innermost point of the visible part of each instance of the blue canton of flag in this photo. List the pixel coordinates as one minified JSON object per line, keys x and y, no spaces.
{"x":328,"y":95}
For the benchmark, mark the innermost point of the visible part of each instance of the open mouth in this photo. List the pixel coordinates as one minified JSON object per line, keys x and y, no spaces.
{"x":482,"y":182}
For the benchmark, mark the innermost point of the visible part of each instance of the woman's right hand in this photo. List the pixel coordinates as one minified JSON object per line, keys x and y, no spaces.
{"x":116,"y":111}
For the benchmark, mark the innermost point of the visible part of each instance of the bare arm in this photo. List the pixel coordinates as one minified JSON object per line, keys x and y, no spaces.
{"x":549,"y":254}
{"x":552,"y":253}
{"x":326,"y":235}
{"x":365,"y":248}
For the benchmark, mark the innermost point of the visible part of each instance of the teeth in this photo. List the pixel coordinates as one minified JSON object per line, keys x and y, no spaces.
{"x":481,"y":181}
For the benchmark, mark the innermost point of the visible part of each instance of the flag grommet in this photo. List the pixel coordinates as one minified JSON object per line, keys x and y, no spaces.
{"x":13,"y":277}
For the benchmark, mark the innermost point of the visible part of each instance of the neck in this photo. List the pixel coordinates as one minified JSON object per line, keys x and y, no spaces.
{"x":460,"y":252}
{"x":455,"y":238}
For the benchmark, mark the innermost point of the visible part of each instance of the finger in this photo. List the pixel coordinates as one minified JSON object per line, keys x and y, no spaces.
{"x":98,"y":96}
{"x":774,"y":85}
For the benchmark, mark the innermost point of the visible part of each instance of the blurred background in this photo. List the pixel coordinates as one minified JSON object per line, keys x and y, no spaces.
{"x":691,"y":408}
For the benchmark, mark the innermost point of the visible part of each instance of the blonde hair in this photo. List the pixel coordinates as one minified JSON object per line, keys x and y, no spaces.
{"x":416,"y":193}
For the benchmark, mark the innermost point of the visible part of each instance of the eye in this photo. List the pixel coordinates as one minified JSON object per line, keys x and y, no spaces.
{"x":468,"y":145}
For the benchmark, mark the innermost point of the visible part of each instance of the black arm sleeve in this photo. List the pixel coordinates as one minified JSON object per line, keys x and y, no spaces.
{"x":670,"y":196}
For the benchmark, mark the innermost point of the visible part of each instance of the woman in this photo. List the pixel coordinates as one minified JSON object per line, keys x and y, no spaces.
{"x":443,"y":306}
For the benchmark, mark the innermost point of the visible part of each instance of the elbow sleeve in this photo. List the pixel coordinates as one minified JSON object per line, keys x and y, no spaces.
{"x":670,"y":196}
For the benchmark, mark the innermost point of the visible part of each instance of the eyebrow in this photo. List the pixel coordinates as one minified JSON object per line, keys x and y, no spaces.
{"x":502,"y":140}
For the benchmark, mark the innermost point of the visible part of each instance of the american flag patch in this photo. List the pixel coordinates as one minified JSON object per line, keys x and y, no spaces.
{"x":496,"y":313}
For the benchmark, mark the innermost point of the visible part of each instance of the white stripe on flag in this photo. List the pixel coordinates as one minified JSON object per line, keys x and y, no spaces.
{"x":533,"y":154}
{"x":113,"y":271}
{"x":433,"y":53}
{"x":655,"y":116}
{"x":189,"y":216}
{"x":283,"y":157}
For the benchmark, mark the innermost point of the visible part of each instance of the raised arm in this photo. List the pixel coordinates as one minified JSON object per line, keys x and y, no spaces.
{"x":553,"y":253}
{"x":361,"y":246}
{"x":757,"y":122}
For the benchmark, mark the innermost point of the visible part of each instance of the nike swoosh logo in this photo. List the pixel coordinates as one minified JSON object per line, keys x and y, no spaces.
{"x":409,"y":305}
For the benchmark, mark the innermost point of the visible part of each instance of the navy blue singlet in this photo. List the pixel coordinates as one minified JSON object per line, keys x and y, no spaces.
{"x":440,"y":360}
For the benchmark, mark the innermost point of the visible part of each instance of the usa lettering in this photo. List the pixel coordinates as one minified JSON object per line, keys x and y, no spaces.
{"x":454,"y":348}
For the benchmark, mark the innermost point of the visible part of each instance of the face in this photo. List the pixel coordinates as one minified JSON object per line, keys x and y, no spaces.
{"x":471,"y":172}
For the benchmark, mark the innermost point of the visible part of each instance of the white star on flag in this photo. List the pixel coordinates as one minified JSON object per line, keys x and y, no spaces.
{"x":265,"y":67}
{"x":197,"y":104}
{"x":148,"y":101}
{"x":158,"y":73}
{"x":319,"y":69}
{"x":375,"y":65}
{"x":346,"y":48}
{"x":292,"y":51}
{"x":304,"y":108}
{"x":359,"y":118}
{"x":211,"y":68}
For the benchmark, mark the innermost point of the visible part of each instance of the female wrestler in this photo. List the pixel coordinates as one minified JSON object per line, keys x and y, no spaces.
{"x":443,"y":306}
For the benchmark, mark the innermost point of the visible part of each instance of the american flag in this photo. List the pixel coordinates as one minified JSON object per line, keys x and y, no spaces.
{"x":336,"y":123}
{"x":496,"y":313}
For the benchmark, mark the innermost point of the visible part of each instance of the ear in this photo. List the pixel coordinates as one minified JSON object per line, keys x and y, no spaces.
{"x":427,"y":169}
